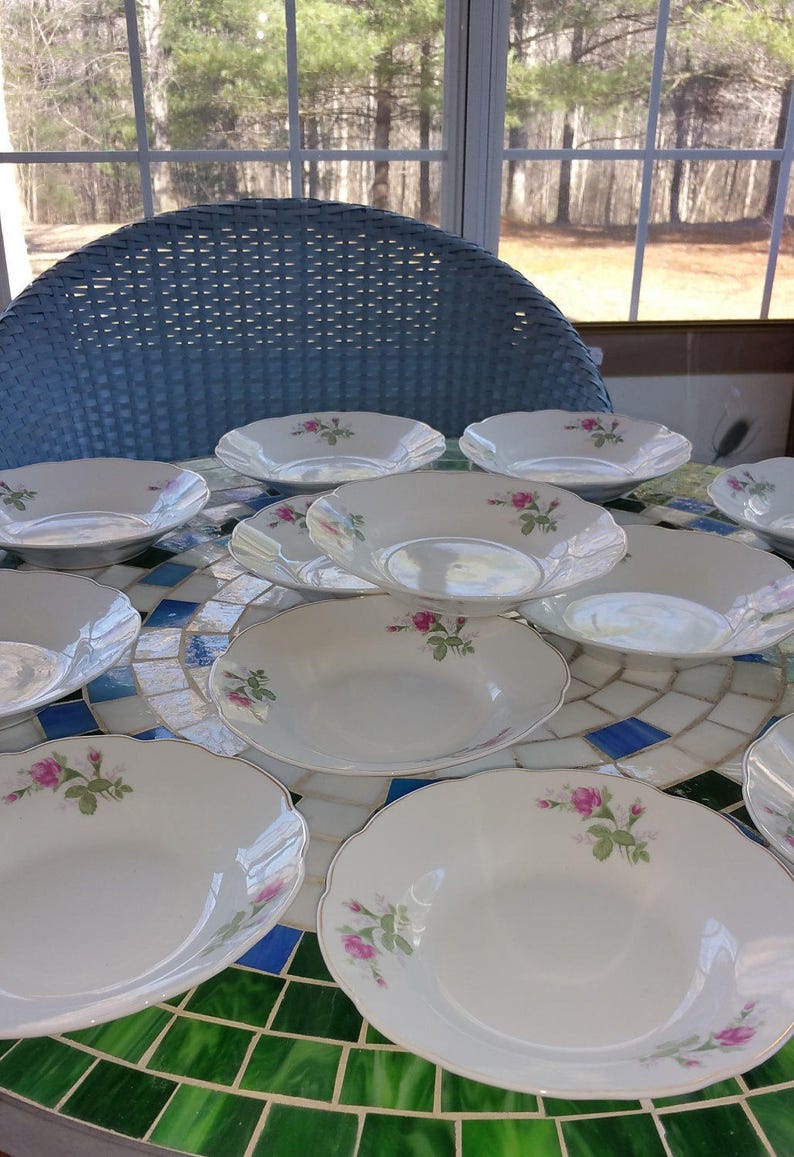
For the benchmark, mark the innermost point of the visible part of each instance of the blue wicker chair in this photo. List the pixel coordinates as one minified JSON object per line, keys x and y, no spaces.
{"x":153,"y":341}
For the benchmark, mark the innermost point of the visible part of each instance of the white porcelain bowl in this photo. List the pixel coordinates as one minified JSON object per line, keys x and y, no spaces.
{"x":57,"y":633}
{"x":360,"y":686}
{"x":677,"y":594}
{"x":566,"y":933}
{"x":760,"y":496}
{"x":153,"y":865}
{"x":94,"y":511}
{"x":598,"y":456}
{"x":275,"y":545}
{"x":768,"y":785}
{"x":306,"y":453}
{"x":464,"y":543}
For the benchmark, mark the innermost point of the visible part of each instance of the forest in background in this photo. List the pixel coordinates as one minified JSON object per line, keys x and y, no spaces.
{"x":371,"y":76}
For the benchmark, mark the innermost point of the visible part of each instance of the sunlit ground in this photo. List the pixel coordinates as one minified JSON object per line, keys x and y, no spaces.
{"x":694,"y":273}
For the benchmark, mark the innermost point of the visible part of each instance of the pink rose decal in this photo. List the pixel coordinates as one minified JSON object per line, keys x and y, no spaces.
{"x":285,"y":514}
{"x":589,"y":424}
{"x":738,"y":1035}
{"x":269,"y":891}
{"x":424,"y":621}
{"x":312,"y":426}
{"x":586,"y":800}
{"x":735,"y":484}
{"x":12,"y":797}
{"x":46,"y":772}
{"x":522,"y":499}
{"x":355,"y":946}
{"x":240,"y":700}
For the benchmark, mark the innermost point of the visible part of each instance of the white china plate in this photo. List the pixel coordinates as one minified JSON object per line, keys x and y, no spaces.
{"x":567,"y":933}
{"x":150,"y":865}
{"x":94,"y":511}
{"x":57,"y":633}
{"x":275,"y":545}
{"x":760,"y":496}
{"x":599,"y":456}
{"x":362,"y":686}
{"x":465,"y":543}
{"x":677,"y":594}
{"x":306,"y":453}
{"x":768,"y":785}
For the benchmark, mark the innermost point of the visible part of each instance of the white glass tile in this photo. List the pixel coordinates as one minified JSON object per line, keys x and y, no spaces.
{"x":158,"y":643}
{"x":120,"y":576}
{"x":742,"y":711}
{"x":577,"y":690}
{"x":180,"y":709}
{"x":319,"y":854}
{"x":302,"y":912}
{"x":145,"y":597}
{"x":594,"y":671}
{"x":215,"y":617}
{"x":197,"y":588}
{"x":711,"y":742}
{"x":497,"y":759}
{"x":156,"y":677}
{"x":127,"y":716}
{"x":558,"y":753}
{"x":288,"y":774}
{"x":336,"y":820}
{"x":662,"y":765}
{"x":369,"y":790}
{"x":706,"y":681}
{"x":659,"y":677}
{"x":574,"y":718}
{"x":244,"y":589}
{"x":623,"y":699}
{"x":22,"y":735}
{"x":674,"y":712}
{"x":759,"y":679}
{"x":212,"y":734}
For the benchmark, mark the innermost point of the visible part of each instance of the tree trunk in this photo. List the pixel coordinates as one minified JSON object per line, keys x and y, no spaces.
{"x":780,"y":136}
{"x":379,"y":192}
{"x":564,"y":189}
{"x":679,"y":103}
{"x":157,"y":80}
{"x":425,"y":79}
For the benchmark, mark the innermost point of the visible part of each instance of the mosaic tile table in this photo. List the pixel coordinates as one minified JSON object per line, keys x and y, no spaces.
{"x":270,"y":1058}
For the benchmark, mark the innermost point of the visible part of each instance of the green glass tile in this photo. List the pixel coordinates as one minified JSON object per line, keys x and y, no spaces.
{"x":743,"y":816}
{"x":459,"y":1095}
{"x":127,"y":1038}
{"x":559,"y":1107}
{"x":510,"y":1139}
{"x":244,"y":997}
{"x":208,"y":1123}
{"x":200,"y":1049}
{"x":295,"y":1068}
{"x":308,"y":959}
{"x":710,"y":1093}
{"x":373,"y":1037}
{"x":406,"y":1137}
{"x":712,"y":789}
{"x":290,"y":1132}
{"x":5,"y":1045}
{"x":634,"y":1136}
{"x":118,"y":1098}
{"x":723,"y":1129}
{"x":42,"y":1069}
{"x":778,"y":1070}
{"x":313,"y":1010}
{"x":775,"y":1114}
{"x":388,"y":1080}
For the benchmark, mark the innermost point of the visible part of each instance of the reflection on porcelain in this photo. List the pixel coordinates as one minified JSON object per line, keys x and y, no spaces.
{"x":677,"y":595}
{"x":358,"y":687}
{"x":94,"y":511}
{"x":57,"y":633}
{"x":760,"y":496}
{"x":460,"y":544}
{"x":529,"y":966}
{"x":139,"y":916}
{"x":306,"y":453}
{"x":275,"y":545}
{"x":598,"y":456}
{"x":768,"y":785}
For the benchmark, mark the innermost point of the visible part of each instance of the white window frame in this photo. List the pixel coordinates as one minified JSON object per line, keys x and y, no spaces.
{"x":472,"y":152}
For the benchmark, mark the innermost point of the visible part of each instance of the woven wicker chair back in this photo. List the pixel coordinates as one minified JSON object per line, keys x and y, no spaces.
{"x":153,"y":341}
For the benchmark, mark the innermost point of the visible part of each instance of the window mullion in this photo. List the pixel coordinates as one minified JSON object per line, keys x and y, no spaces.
{"x":293,"y":100}
{"x":779,"y":214}
{"x":139,"y":105}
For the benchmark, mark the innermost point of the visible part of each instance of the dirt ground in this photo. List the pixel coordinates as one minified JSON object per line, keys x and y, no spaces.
{"x":693,"y":272}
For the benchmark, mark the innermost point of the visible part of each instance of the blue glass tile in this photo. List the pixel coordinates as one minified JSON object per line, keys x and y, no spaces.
{"x":691,"y":504}
{"x":237,"y":494}
{"x":743,"y":828}
{"x":626,"y":737}
{"x":714,"y":526}
{"x":273,"y":950}
{"x":263,"y":500}
{"x":156,"y":733}
{"x":769,"y":723}
{"x":117,"y":683}
{"x":168,"y":574}
{"x":172,"y":613}
{"x":755,"y":657}
{"x":202,"y":650}
{"x":63,"y":719}
{"x":401,"y":787}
